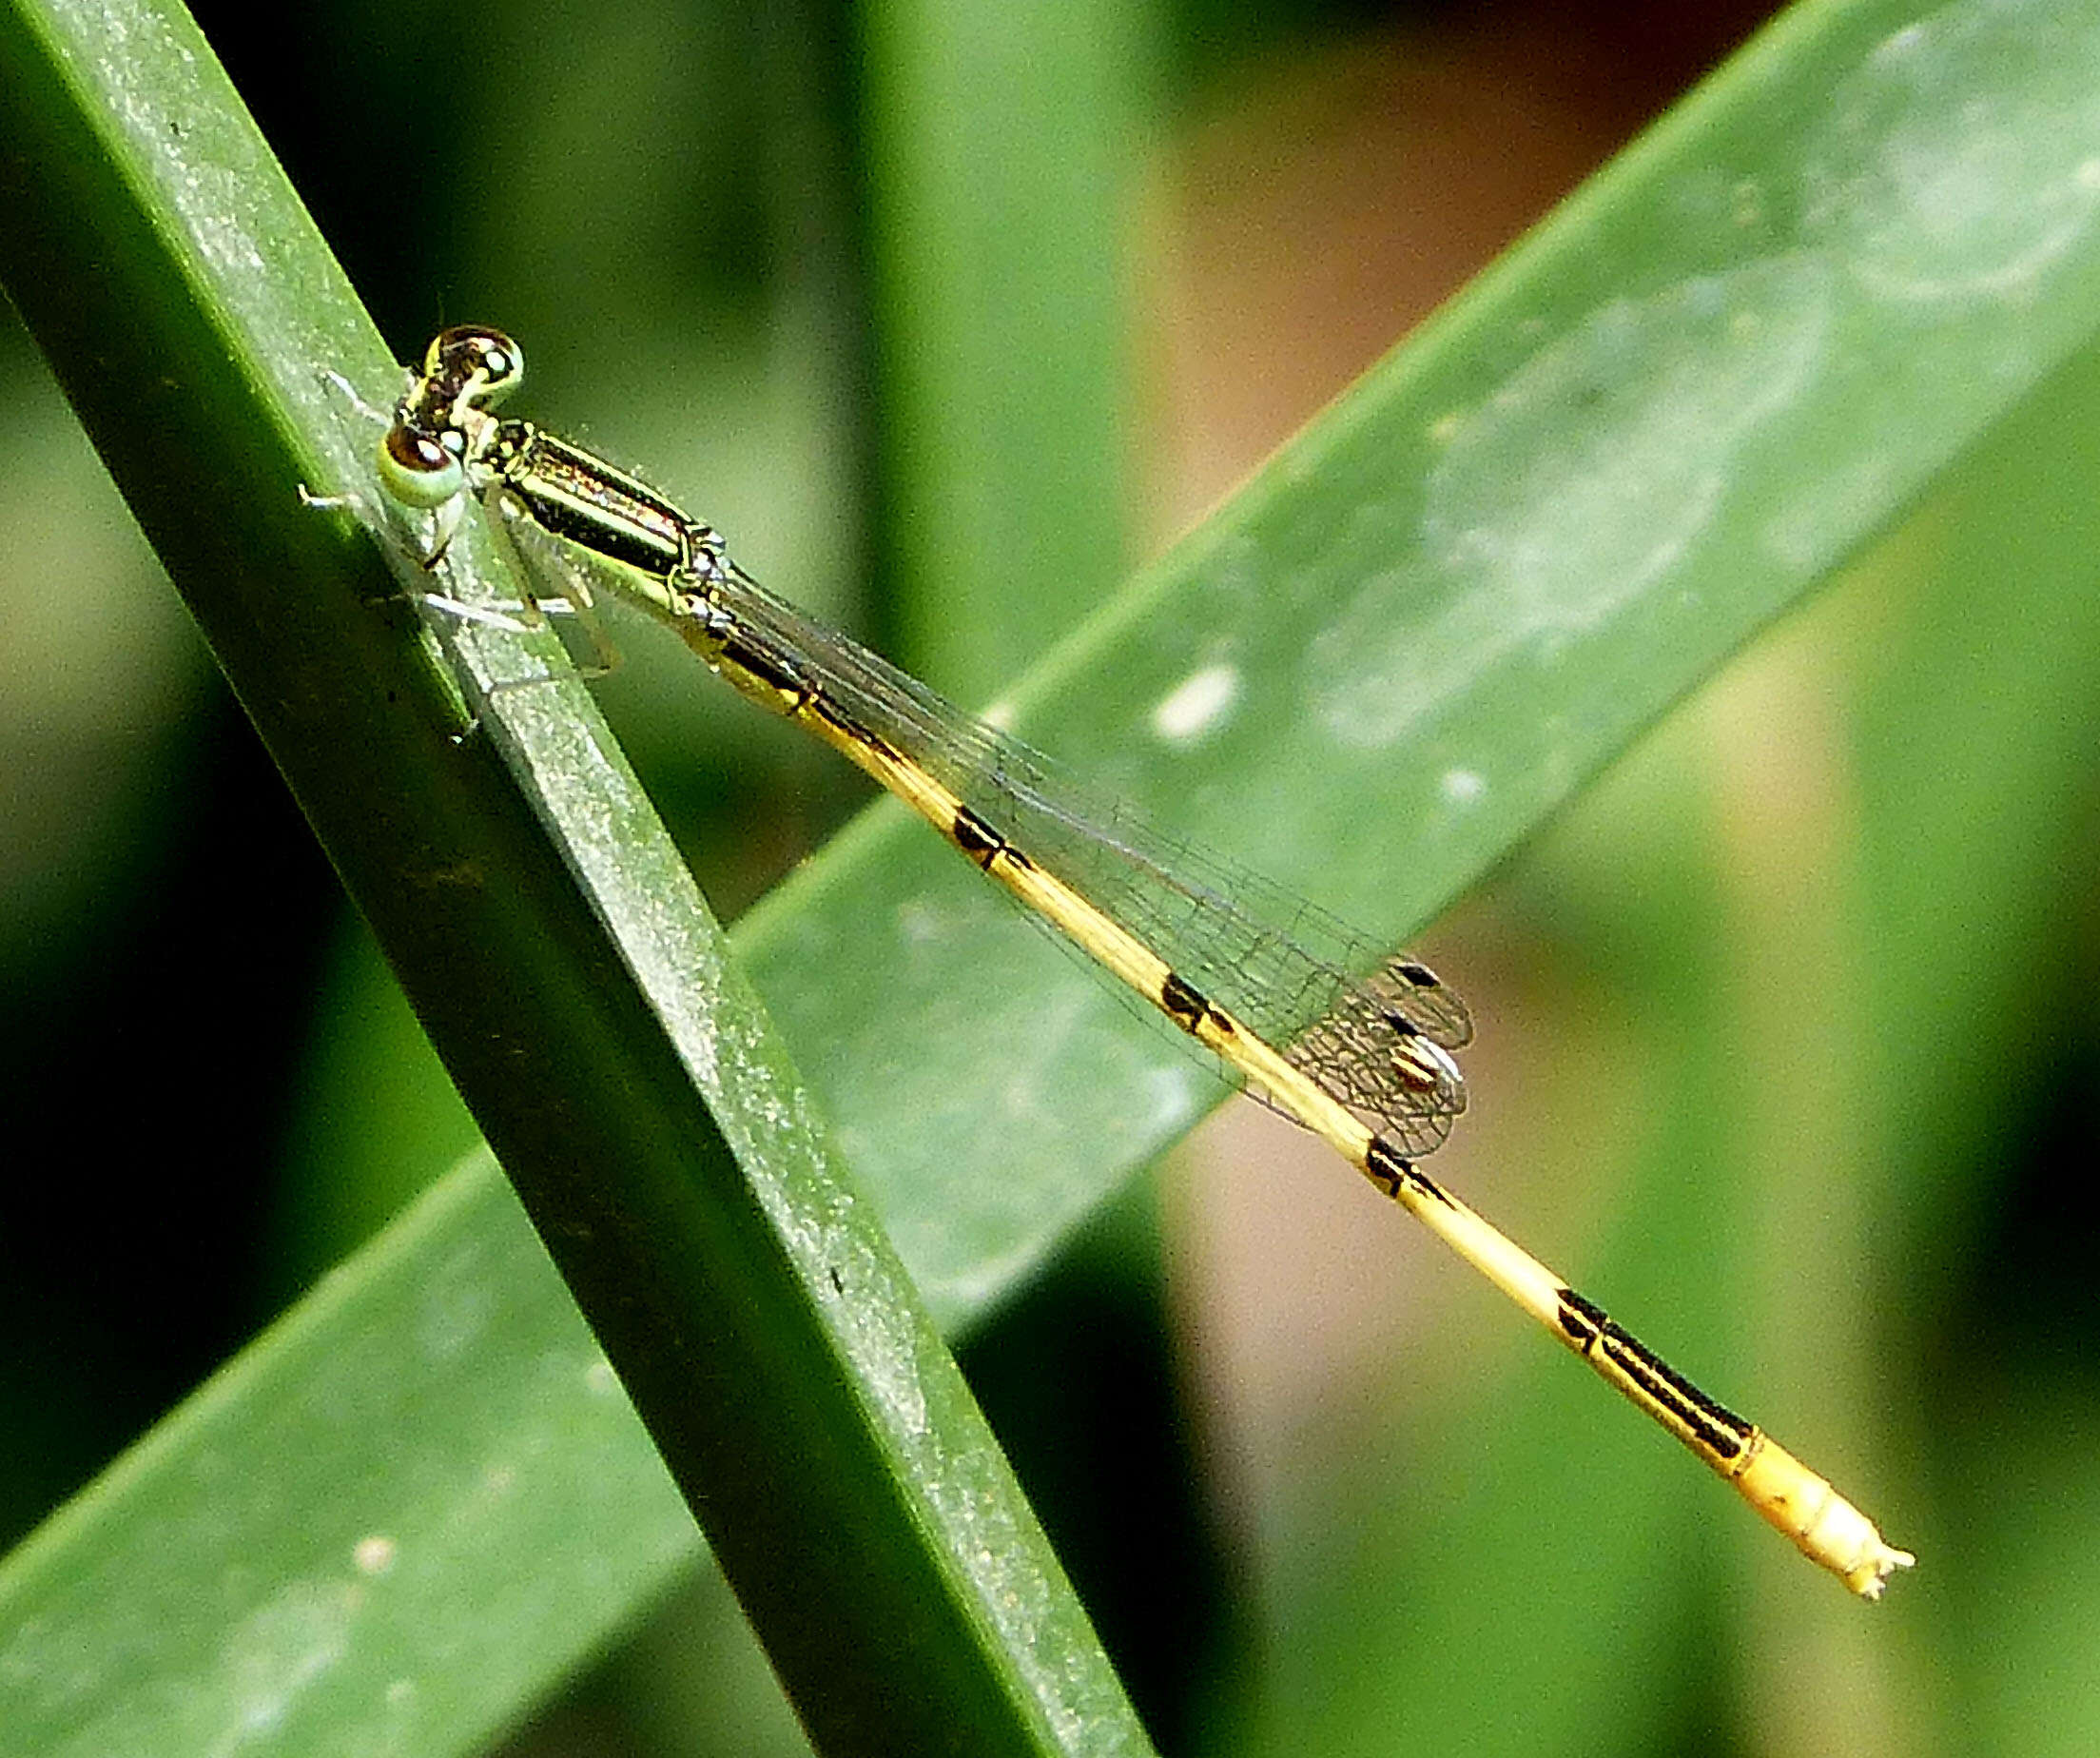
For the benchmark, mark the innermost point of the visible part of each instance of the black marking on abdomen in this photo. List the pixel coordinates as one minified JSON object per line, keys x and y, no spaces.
{"x":1594,"y":1331}
{"x":873,"y":743}
{"x":770,"y":672}
{"x":1182,"y":1003}
{"x":1393,"y":1171}
{"x":1420,"y":975}
{"x":975,"y":838}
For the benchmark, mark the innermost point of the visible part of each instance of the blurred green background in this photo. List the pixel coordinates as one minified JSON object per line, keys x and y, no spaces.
{"x":1814,"y":963}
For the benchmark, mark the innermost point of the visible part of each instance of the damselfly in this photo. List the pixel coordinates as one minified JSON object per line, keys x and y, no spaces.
{"x":1355,"y":1046}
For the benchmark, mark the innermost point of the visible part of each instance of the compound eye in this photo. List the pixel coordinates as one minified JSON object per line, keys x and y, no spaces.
{"x":485,"y":364}
{"x":418,"y":469}
{"x":501,"y":362}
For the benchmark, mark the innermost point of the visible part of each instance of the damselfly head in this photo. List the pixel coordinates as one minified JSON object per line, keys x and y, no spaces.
{"x":443,"y":418}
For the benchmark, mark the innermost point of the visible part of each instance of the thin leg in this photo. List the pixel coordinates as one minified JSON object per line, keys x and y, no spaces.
{"x":348,"y":501}
{"x":489,"y":617}
{"x":348,"y":392}
{"x":512,"y":525}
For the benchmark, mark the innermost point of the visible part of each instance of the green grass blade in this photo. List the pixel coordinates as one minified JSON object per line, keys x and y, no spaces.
{"x":1002,"y":145}
{"x":1729,"y":361}
{"x":1833,"y":1057}
{"x":554,"y":947}
{"x":188,"y":1602}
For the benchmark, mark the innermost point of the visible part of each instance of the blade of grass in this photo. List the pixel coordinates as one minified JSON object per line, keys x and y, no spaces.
{"x":1001,"y":150}
{"x":1788,"y":1187}
{"x":554,"y":947}
{"x":1731,"y":360}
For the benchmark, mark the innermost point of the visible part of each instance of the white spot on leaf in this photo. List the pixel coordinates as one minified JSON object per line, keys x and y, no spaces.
{"x":1196,"y":705}
{"x":374,"y":1554}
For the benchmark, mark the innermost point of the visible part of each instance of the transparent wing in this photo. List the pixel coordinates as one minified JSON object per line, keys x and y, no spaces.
{"x":1343,"y":1011}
